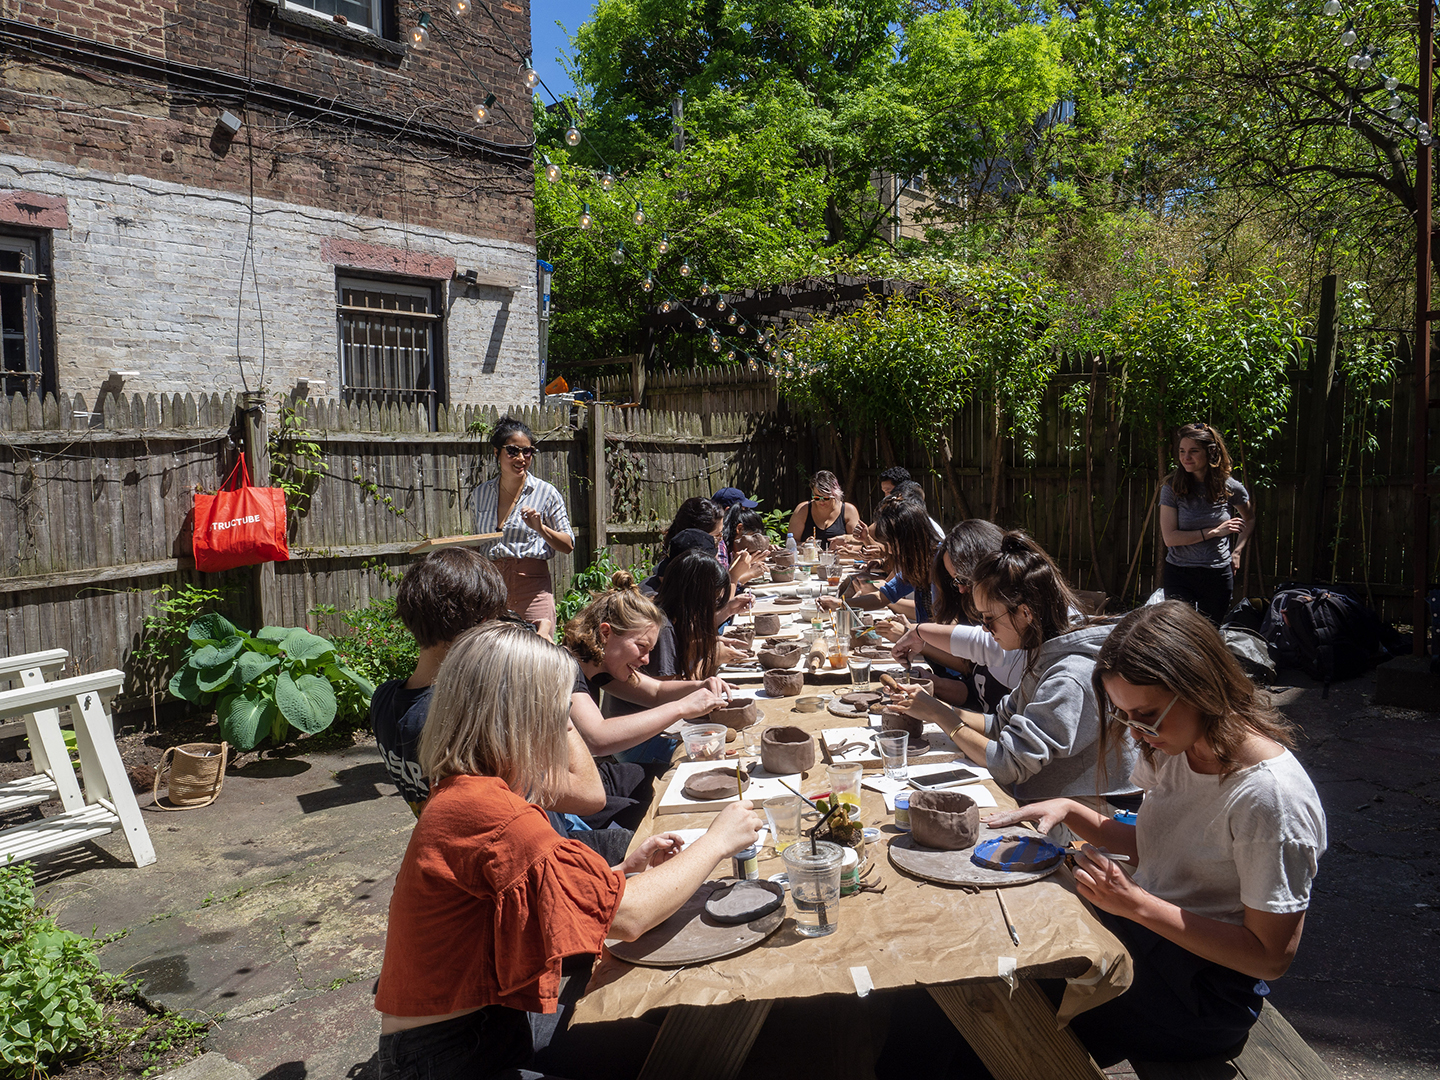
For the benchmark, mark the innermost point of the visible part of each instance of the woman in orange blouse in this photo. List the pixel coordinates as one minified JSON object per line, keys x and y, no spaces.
{"x":490,"y":899}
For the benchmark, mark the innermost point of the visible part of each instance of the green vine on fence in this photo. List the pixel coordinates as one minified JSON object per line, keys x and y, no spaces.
{"x":627,"y":473}
{"x":297,"y":463}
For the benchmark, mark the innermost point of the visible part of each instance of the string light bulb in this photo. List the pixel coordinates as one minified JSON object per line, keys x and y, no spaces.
{"x":529,"y":74}
{"x":730,"y":356}
{"x":714,"y":343}
{"x":1410,"y":123}
{"x":732,"y":318}
{"x":664,"y":245}
{"x":1391,"y":83}
{"x":1394,"y":104}
{"x":639,"y":215}
{"x":720,"y":304}
{"x":1366,"y":61}
{"x":704,"y":287}
{"x":607,"y":180}
{"x":460,"y":7}
{"x":1425,"y":138}
{"x":1349,"y":37}
{"x":649,"y":283}
{"x":741,"y":328}
{"x":552,"y":171}
{"x":666,"y":305}
{"x":585,"y":219}
{"x":420,"y":33}
{"x":699,"y":322}
{"x":617,"y":257}
{"x":482,"y":111}
{"x":572,"y":136}
{"x":685,"y":268}
{"x":1333,"y":8}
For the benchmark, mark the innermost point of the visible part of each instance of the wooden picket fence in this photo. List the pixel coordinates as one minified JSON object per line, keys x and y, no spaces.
{"x":95,"y":517}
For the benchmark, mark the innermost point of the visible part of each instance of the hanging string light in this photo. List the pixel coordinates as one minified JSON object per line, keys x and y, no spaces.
{"x":617,"y":257}
{"x":664,"y":245}
{"x":638,"y":217}
{"x":585,"y":219}
{"x":1349,"y":37}
{"x":482,"y":111}
{"x":685,"y":268}
{"x":420,"y":33}
{"x":460,"y":7}
{"x":607,"y":180}
{"x":529,"y":74}
{"x":667,"y":304}
{"x":649,"y":283}
{"x":572,"y":135}
{"x":552,"y":171}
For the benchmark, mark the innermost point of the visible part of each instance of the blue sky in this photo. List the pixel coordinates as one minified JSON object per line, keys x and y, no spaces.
{"x":547,"y":39}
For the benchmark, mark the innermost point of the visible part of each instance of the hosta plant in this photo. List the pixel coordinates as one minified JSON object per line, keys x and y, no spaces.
{"x":263,"y":684}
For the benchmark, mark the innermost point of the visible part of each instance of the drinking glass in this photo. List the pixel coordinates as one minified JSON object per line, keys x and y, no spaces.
{"x":814,"y":886}
{"x":893,"y":747}
{"x":845,"y":785}
{"x":860,"y":673}
{"x":783,"y":813}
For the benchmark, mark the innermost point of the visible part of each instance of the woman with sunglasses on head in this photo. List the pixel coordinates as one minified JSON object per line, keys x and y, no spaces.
{"x":1224,"y":847}
{"x":1043,"y":739}
{"x":489,"y":901}
{"x":826,"y":514}
{"x":1205,"y":519}
{"x":532,"y":517}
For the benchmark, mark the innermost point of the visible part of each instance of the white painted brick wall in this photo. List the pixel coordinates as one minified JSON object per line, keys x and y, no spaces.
{"x":148,"y":277}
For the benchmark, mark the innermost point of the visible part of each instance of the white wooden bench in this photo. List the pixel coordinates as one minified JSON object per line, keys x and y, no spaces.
{"x":106,"y":803}
{"x":1272,"y":1052}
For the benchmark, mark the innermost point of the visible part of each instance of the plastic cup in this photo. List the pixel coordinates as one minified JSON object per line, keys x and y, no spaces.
{"x":783,"y":813}
{"x":814,"y":886}
{"x":860,"y":672}
{"x":704,"y":742}
{"x":893,"y":748}
{"x":845,"y":785}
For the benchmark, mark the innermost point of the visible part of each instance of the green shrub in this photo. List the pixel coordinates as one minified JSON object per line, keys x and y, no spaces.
{"x":48,"y":1010}
{"x":585,"y":583}
{"x":377,"y":647}
{"x":262,"y":684}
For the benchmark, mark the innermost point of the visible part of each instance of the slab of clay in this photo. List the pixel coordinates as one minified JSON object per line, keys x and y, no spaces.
{"x":786,"y":600}
{"x":866,"y":698}
{"x":714,"y":784}
{"x":690,"y":937}
{"x":956,"y":867}
{"x":744,"y":901}
{"x":763,"y":785}
{"x":1018,"y":853}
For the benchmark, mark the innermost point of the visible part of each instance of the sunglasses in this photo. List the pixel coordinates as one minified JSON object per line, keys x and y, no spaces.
{"x":519,"y":451}
{"x":989,"y":621}
{"x":1139,"y":725}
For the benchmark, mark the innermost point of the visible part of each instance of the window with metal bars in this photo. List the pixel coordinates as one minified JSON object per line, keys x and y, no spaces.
{"x":24,"y":315}
{"x":361,"y":14}
{"x":390,"y":342}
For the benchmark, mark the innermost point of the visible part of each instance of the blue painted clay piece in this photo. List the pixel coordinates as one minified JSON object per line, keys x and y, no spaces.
{"x":1030,"y":855}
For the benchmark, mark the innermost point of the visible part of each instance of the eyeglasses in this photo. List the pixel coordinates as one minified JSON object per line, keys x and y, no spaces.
{"x":519,"y":451}
{"x":989,"y":621}
{"x":1139,"y":725}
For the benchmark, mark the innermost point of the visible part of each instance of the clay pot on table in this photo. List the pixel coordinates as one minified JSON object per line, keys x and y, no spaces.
{"x":739,"y":715}
{"x":894,"y":720}
{"x":783,"y":657}
{"x":784,"y":683}
{"x":784,"y":558}
{"x":782,"y":573}
{"x":786,"y":750}
{"x":944,"y":820}
{"x":767,"y":624}
{"x":738,"y":635}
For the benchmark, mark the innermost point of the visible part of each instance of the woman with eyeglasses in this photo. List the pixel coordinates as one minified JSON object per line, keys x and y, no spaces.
{"x":532,"y":517}
{"x":826,"y":514}
{"x":1043,"y":739}
{"x":1224,"y":848}
{"x":1205,"y":519}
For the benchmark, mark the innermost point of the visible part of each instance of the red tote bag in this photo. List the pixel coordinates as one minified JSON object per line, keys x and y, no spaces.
{"x":240,"y":527}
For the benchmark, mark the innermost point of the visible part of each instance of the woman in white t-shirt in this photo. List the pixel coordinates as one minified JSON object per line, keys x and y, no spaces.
{"x":1224,"y":849}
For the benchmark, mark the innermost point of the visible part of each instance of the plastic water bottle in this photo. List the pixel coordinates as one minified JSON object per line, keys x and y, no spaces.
{"x":790,"y":544}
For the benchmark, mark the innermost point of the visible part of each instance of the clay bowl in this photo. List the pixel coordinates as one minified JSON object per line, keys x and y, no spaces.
{"x":784,"y":683}
{"x":944,"y":820}
{"x":786,"y":750}
{"x":775,"y":643}
{"x":772,"y":659}
{"x":767,"y":624}
{"x":739,"y":715}
{"x":738,"y":635}
{"x":782,"y":573}
{"x":891,"y":720}
{"x":784,"y":558}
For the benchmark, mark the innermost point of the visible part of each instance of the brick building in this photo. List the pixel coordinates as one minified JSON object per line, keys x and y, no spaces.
{"x":195,"y":189}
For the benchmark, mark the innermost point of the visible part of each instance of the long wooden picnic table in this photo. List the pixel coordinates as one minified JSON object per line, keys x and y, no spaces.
{"x":951,"y":941}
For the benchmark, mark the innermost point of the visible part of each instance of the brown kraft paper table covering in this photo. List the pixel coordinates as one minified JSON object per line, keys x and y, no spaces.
{"x":915,"y":934}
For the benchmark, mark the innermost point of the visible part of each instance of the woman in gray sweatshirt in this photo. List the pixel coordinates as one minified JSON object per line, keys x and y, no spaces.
{"x":1042,"y":740}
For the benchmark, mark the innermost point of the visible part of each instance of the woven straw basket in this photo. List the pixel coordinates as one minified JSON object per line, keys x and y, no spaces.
{"x":193,"y":773}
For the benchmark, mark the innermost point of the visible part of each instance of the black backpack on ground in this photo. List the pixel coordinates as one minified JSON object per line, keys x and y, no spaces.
{"x":1327,"y":633}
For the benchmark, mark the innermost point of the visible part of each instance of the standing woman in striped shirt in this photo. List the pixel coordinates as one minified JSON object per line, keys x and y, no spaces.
{"x":533,"y":518}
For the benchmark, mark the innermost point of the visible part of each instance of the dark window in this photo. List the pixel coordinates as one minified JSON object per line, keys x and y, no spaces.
{"x":24,"y":315}
{"x":390,"y":340}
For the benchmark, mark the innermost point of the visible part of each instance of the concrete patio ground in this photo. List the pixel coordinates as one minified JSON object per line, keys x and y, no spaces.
{"x":265,"y":912}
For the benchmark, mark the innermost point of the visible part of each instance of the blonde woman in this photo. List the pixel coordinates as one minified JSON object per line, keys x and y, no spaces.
{"x":489,"y":900}
{"x":826,"y":515}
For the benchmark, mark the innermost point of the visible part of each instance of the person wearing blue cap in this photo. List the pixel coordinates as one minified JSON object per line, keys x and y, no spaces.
{"x":728,"y":497}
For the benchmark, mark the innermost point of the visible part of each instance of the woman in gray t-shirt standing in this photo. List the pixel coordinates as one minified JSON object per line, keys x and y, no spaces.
{"x":1205,"y":519}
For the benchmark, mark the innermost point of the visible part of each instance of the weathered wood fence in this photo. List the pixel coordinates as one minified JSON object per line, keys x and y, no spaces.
{"x":94,"y":515}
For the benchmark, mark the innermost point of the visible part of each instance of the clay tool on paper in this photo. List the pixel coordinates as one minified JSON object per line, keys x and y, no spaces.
{"x":1005,"y":913}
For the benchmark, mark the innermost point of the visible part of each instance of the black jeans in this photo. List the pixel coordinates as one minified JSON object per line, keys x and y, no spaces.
{"x":1205,"y":588}
{"x":491,"y":1042}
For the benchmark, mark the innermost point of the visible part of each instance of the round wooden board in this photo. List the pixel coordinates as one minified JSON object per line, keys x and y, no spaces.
{"x":691,"y":937}
{"x":955,"y":867}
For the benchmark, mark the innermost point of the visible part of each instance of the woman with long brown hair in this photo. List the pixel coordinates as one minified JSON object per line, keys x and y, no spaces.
{"x":1224,"y":848}
{"x":904,"y":528}
{"x":1205,"y":519}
